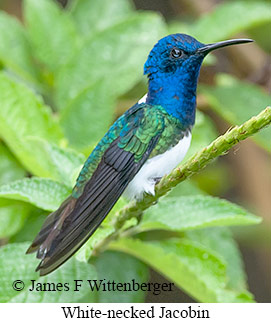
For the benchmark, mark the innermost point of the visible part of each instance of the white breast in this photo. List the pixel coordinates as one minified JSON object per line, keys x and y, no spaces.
{"x":157,"y":167}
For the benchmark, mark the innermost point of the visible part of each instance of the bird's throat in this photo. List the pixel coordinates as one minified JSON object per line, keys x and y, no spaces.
{"x":176,"y":93}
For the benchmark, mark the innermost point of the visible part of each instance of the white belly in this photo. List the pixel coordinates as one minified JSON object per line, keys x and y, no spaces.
{"x":157,"y":167}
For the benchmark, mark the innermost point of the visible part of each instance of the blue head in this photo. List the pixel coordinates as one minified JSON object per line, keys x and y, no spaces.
{"x":173,"y":68}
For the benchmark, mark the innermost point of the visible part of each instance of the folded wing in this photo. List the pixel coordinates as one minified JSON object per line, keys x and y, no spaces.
{"x":69,"y":227}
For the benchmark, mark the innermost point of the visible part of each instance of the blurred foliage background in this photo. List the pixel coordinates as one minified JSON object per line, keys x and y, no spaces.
{"x":88,"y":70}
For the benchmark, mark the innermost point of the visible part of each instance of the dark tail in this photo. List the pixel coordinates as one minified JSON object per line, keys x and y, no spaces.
{"x":49,"y":232}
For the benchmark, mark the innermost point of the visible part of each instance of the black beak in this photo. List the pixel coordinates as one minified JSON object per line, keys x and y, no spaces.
{"x":210,"y":47}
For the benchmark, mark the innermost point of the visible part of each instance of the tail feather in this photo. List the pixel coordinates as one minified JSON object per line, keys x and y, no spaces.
{"x":51,"y":223}
{"x":47,"y":226}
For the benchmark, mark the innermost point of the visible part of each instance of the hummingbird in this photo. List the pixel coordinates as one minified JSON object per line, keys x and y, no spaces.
{"x":148,"y":141}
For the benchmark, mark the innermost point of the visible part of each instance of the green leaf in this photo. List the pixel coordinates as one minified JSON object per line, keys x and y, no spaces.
{"x":51,"y":31}
{"x":24,"y":115}
{"x":31,"y":226}
{"x":237,"y":101}
{"x":63,"y":164}
{"x":85,"y":252}
{"x":15,"y":265}
{"x":188,"y":264}
{"x":12,"y":217}
{"x":12,"y":214}
{"x":66,"y":162}
{"x":105,"y":56}
{"x":86,"y":119}
{"x":10,"y":169}
{"x":43,"y":193}
{"x":232,"y":18}
{"x":220,"y":240}
{"x":121,"y":268}
{"x":93,"y":16}
{"x":15,"y":52}
{"x":194,"y":212}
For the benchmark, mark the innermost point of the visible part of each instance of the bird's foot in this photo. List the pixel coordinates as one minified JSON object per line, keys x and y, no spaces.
{"x":157,"y":180}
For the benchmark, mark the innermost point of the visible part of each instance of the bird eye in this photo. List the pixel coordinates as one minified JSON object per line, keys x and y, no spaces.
{"x":176,"y":53}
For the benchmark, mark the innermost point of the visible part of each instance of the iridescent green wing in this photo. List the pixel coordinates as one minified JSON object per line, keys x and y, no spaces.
{"x":144,"y":128}
{"x":133,"y":132}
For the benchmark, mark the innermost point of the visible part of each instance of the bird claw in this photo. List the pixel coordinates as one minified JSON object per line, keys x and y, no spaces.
{"x":157,"y":180}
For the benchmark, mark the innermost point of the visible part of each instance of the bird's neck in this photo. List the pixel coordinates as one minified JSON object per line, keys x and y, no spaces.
{"x":176,"y":93}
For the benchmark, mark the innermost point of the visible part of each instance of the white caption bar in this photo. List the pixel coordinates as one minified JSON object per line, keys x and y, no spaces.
{"x":217,"y":313}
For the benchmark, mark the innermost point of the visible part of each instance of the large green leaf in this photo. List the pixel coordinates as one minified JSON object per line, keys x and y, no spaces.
{"x":15,"y":265}
{"x":31,"y":226}
{"x":220,"y":240}
{"x":12,"y":214}
{"x":41,"y":192}
{"x":51,"y":31}
{"x":12,"y":217}
{"x":237,"y":101}
{"x":15,"y":52}
{"x":10,"y":169}
{"x":121,"y":268}
{"x":194,"y":212}
{"x":86,"y":119}
{"x":24,"y":115}
{"x":191,"y":266}
{"x":115,"y":55}
{"x":63,"y":164}
{"x":67,"y":163}
{"x":230,"y":18}
{"x":85,"y":252}
{"x":96,"y":15}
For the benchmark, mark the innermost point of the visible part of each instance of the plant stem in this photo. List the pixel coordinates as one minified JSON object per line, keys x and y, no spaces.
{"x":193,"y":165}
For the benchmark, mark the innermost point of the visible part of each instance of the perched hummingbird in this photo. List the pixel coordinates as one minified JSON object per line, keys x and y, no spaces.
{"x":144,"y":144}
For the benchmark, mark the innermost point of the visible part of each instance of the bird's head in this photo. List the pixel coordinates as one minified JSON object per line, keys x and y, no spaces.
{"x":180,"y":53}
{"x":173,"y":67}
